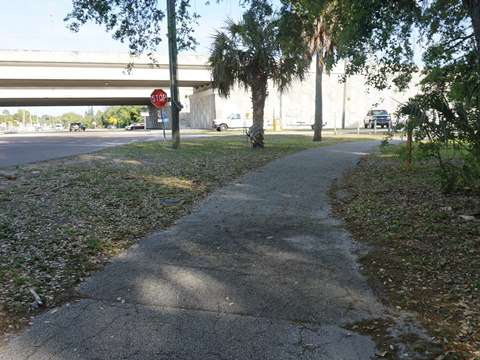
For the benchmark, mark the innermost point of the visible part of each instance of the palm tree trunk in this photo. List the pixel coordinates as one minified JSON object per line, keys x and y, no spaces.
{"x":259,"y":95}
{"x":318,"y":124}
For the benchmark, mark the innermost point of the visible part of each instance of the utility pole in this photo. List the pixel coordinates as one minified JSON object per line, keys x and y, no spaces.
{"x":172,"y":52}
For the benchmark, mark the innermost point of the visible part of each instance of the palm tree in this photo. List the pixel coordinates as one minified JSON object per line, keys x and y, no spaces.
{"x":248,"y":53}
{"x":314,"y":33}
{"x":320,"y":44}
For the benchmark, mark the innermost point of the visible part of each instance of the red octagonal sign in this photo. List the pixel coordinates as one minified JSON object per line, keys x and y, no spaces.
{"x":159,"y":97}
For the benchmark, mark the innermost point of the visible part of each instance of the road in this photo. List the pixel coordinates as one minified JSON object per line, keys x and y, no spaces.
{"x":18,"y":149}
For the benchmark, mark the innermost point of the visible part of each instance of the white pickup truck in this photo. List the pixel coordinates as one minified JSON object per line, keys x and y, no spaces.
{"x":232,"y":121}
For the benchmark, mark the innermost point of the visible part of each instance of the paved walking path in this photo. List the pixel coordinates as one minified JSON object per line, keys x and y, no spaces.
{"x":259,"y":270}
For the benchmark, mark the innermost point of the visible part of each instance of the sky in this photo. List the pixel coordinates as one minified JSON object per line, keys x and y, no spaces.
{"x":39,"y":25}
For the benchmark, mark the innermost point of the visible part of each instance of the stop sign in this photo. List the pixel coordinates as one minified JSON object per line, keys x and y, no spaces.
{"x":159,"y":97}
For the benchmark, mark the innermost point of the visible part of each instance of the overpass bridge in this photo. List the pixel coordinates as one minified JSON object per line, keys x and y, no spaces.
{"x":61,"y":78}
{"x":58,"y":78}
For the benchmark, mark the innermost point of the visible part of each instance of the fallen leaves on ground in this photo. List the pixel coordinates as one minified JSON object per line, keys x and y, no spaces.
{"x":63,"y":219}
{"x":424,"y":255}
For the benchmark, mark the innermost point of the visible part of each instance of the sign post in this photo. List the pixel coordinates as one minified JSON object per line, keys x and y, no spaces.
{"x":163,"y":118}
{"x":159,"y":98}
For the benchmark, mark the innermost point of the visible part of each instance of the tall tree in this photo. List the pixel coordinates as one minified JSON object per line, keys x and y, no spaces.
{"x":473,"y":8}
{"x":314,"y":32}
{"x":248,"y":53}
{"x":381,"y":38}
{"x":377,"y":37}
{"x":123,"y":114}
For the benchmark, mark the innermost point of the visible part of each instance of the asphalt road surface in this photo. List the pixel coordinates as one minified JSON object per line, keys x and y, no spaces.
{"x":17,"y":149}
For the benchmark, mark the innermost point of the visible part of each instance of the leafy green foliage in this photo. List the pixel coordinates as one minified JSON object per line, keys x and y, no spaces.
{"x":122,"y":114}
{"x":448,"y":31}
{"x":249,"y":52}
{"x":136,"y":22}
{"x":380,"y":39}
{"x":376,"y":38}
{"x":453,"y":137}
{"x":71,"y":117}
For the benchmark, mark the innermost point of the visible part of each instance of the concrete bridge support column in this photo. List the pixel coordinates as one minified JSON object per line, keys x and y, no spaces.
{"x":202,"y":108}
{"x":152,"y":118}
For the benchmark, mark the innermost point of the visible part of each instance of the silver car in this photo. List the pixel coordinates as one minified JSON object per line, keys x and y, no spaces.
{"x":377,"y":117}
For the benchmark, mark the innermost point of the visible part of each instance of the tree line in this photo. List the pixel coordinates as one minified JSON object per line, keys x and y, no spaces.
{"x":116,"y":116}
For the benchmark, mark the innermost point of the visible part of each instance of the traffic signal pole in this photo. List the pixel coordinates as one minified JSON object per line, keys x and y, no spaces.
{"x":173,"y":64}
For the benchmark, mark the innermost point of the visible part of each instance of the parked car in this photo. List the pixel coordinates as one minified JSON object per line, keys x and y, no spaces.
{"x":58,"y":127}
{"x":135,"y":126}
{"x":77,"y":127}
{"x":232,"y":121}
{"x":379,"y":116}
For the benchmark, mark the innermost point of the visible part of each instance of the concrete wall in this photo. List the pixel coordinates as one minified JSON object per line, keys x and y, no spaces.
{"x":296,"y":107}
{"x":151,"y":121}
{"x":202,"y":108}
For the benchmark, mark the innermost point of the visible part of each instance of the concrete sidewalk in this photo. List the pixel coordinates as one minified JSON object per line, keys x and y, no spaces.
{"x":259,"y":270}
